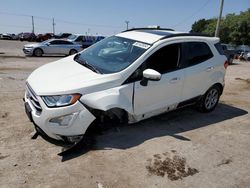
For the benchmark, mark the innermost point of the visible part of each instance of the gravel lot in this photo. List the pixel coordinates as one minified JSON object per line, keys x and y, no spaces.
{"x":184,"y":148}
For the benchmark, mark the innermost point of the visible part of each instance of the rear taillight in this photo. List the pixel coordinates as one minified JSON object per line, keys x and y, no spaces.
{"x":226,"y":64}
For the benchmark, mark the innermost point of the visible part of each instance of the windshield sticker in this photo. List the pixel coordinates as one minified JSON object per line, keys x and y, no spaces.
{"x":141,"y":45}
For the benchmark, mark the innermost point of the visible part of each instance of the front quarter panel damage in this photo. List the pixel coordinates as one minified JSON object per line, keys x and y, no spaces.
{"x":118,"y":97}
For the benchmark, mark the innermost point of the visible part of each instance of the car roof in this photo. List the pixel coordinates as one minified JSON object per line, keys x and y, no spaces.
{"x":50,"y":40}
{"x":78,"y":34}
{"x":150,"y":36}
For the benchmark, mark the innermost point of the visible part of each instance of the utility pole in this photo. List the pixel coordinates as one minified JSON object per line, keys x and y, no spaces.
{"x":219,"y":19}
{"x":33,"y":26}
{"x":127,"y":22}
{"x":53,"y":24}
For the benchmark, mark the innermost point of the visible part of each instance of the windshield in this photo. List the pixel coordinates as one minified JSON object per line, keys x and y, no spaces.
{"x":72,"y":37}
{"x":112,"y":54}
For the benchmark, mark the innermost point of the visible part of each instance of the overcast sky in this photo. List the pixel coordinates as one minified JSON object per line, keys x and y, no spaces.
{"x":108,"y":17}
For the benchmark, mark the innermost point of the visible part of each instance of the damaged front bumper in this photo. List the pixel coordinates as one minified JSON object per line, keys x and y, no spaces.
{"x":68,"y":123}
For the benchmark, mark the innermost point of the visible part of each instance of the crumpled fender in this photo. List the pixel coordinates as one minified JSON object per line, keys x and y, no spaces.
{"x":118,"y":97}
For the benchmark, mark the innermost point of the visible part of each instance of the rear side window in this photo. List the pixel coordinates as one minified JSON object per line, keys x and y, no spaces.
{"x":197,"y":52}
{"x":220,"y":48}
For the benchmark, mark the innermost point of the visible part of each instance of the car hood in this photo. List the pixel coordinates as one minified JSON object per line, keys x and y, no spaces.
{"x":66,"y":76}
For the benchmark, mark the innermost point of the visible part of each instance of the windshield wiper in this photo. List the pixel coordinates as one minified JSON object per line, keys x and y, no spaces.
{"x":85,"y":63}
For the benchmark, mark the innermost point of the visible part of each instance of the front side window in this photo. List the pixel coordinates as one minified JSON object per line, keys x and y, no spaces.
{"x":166,"y":59}
{"x":112,"y":54}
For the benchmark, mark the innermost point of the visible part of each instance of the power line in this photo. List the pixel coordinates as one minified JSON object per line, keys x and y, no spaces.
{"x":13,"y":14}
{"x":193,"y":14}
{"x":63,"y":21}
{"x":17,"y":26}
{"x":86,"y":24}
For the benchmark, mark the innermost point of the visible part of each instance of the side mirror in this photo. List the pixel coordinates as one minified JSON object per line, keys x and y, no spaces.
{"x":150,"y":74}
{"x":47,"y":44}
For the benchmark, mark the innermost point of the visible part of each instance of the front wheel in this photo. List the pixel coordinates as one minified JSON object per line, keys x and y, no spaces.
{"x":210,"y":100}
{"x":73,"y":51}
{"x":38,"y":52}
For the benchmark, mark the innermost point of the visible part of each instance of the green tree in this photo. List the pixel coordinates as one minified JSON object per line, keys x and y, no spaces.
{"x":234,"y":29}
{"x":199,"y":26}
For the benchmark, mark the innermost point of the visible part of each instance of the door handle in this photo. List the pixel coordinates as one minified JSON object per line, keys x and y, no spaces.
{"x":174,"y":80}
{"x":209,"y":69}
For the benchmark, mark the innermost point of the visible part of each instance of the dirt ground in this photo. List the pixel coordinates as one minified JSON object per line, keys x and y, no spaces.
{"x":184,"y":148}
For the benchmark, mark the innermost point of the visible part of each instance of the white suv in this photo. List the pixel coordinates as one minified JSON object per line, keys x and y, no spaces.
{"x":128,"y":77}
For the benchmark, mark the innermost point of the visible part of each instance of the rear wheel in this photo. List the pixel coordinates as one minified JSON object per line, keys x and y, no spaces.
{"x":38,"y":52}
{"x":73,"y":51}
{"x":210,"y":100}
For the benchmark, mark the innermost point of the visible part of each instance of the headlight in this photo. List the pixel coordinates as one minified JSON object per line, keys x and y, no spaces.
{"x":60,"y":100}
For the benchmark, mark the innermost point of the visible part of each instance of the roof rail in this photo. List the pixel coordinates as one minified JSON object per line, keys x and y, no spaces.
{"x":149,"y":28}
{"x":185,"y":34}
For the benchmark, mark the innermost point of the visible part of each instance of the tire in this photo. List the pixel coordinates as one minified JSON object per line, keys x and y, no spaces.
{"x":73,"y":51}
{"x":38,"y":52}
{"x":210,"y":100}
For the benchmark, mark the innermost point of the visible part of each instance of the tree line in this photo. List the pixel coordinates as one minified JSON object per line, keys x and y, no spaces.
{"x":234,"y":29}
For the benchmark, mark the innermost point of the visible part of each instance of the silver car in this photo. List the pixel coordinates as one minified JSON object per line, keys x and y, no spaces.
{"x":53,"y":46}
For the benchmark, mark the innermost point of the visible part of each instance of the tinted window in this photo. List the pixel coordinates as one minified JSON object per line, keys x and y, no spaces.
{"x":60,"y":42}
{"x":65,"y":42}
{"x":197,"y":52}
{"x":166,"y":59}
{"x":220,"y":48}
{"x":54,"y":42}
{"x":80,"y":38}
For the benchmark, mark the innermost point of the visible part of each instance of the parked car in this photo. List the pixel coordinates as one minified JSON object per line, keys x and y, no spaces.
{"x":27,"y":37}
{"x":77,"y":38}
{"x":52,"y":46}
{"x":18,"y":36}
{"x":248,"y":56}
{"x":244,"y":56}
{"x":99,"y":38}
{"x":7,"y":36}
{"x":125,"y":78}
{"x":62,"y":35}
{"x":86,"y":41}
{"x":43,"y":37}
{"x":231,"y":54}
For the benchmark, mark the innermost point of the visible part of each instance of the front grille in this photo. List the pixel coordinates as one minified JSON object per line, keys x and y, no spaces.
{"x":30,"y":94}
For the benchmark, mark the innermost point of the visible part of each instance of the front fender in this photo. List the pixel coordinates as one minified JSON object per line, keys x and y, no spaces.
{"x":118,"y":97}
